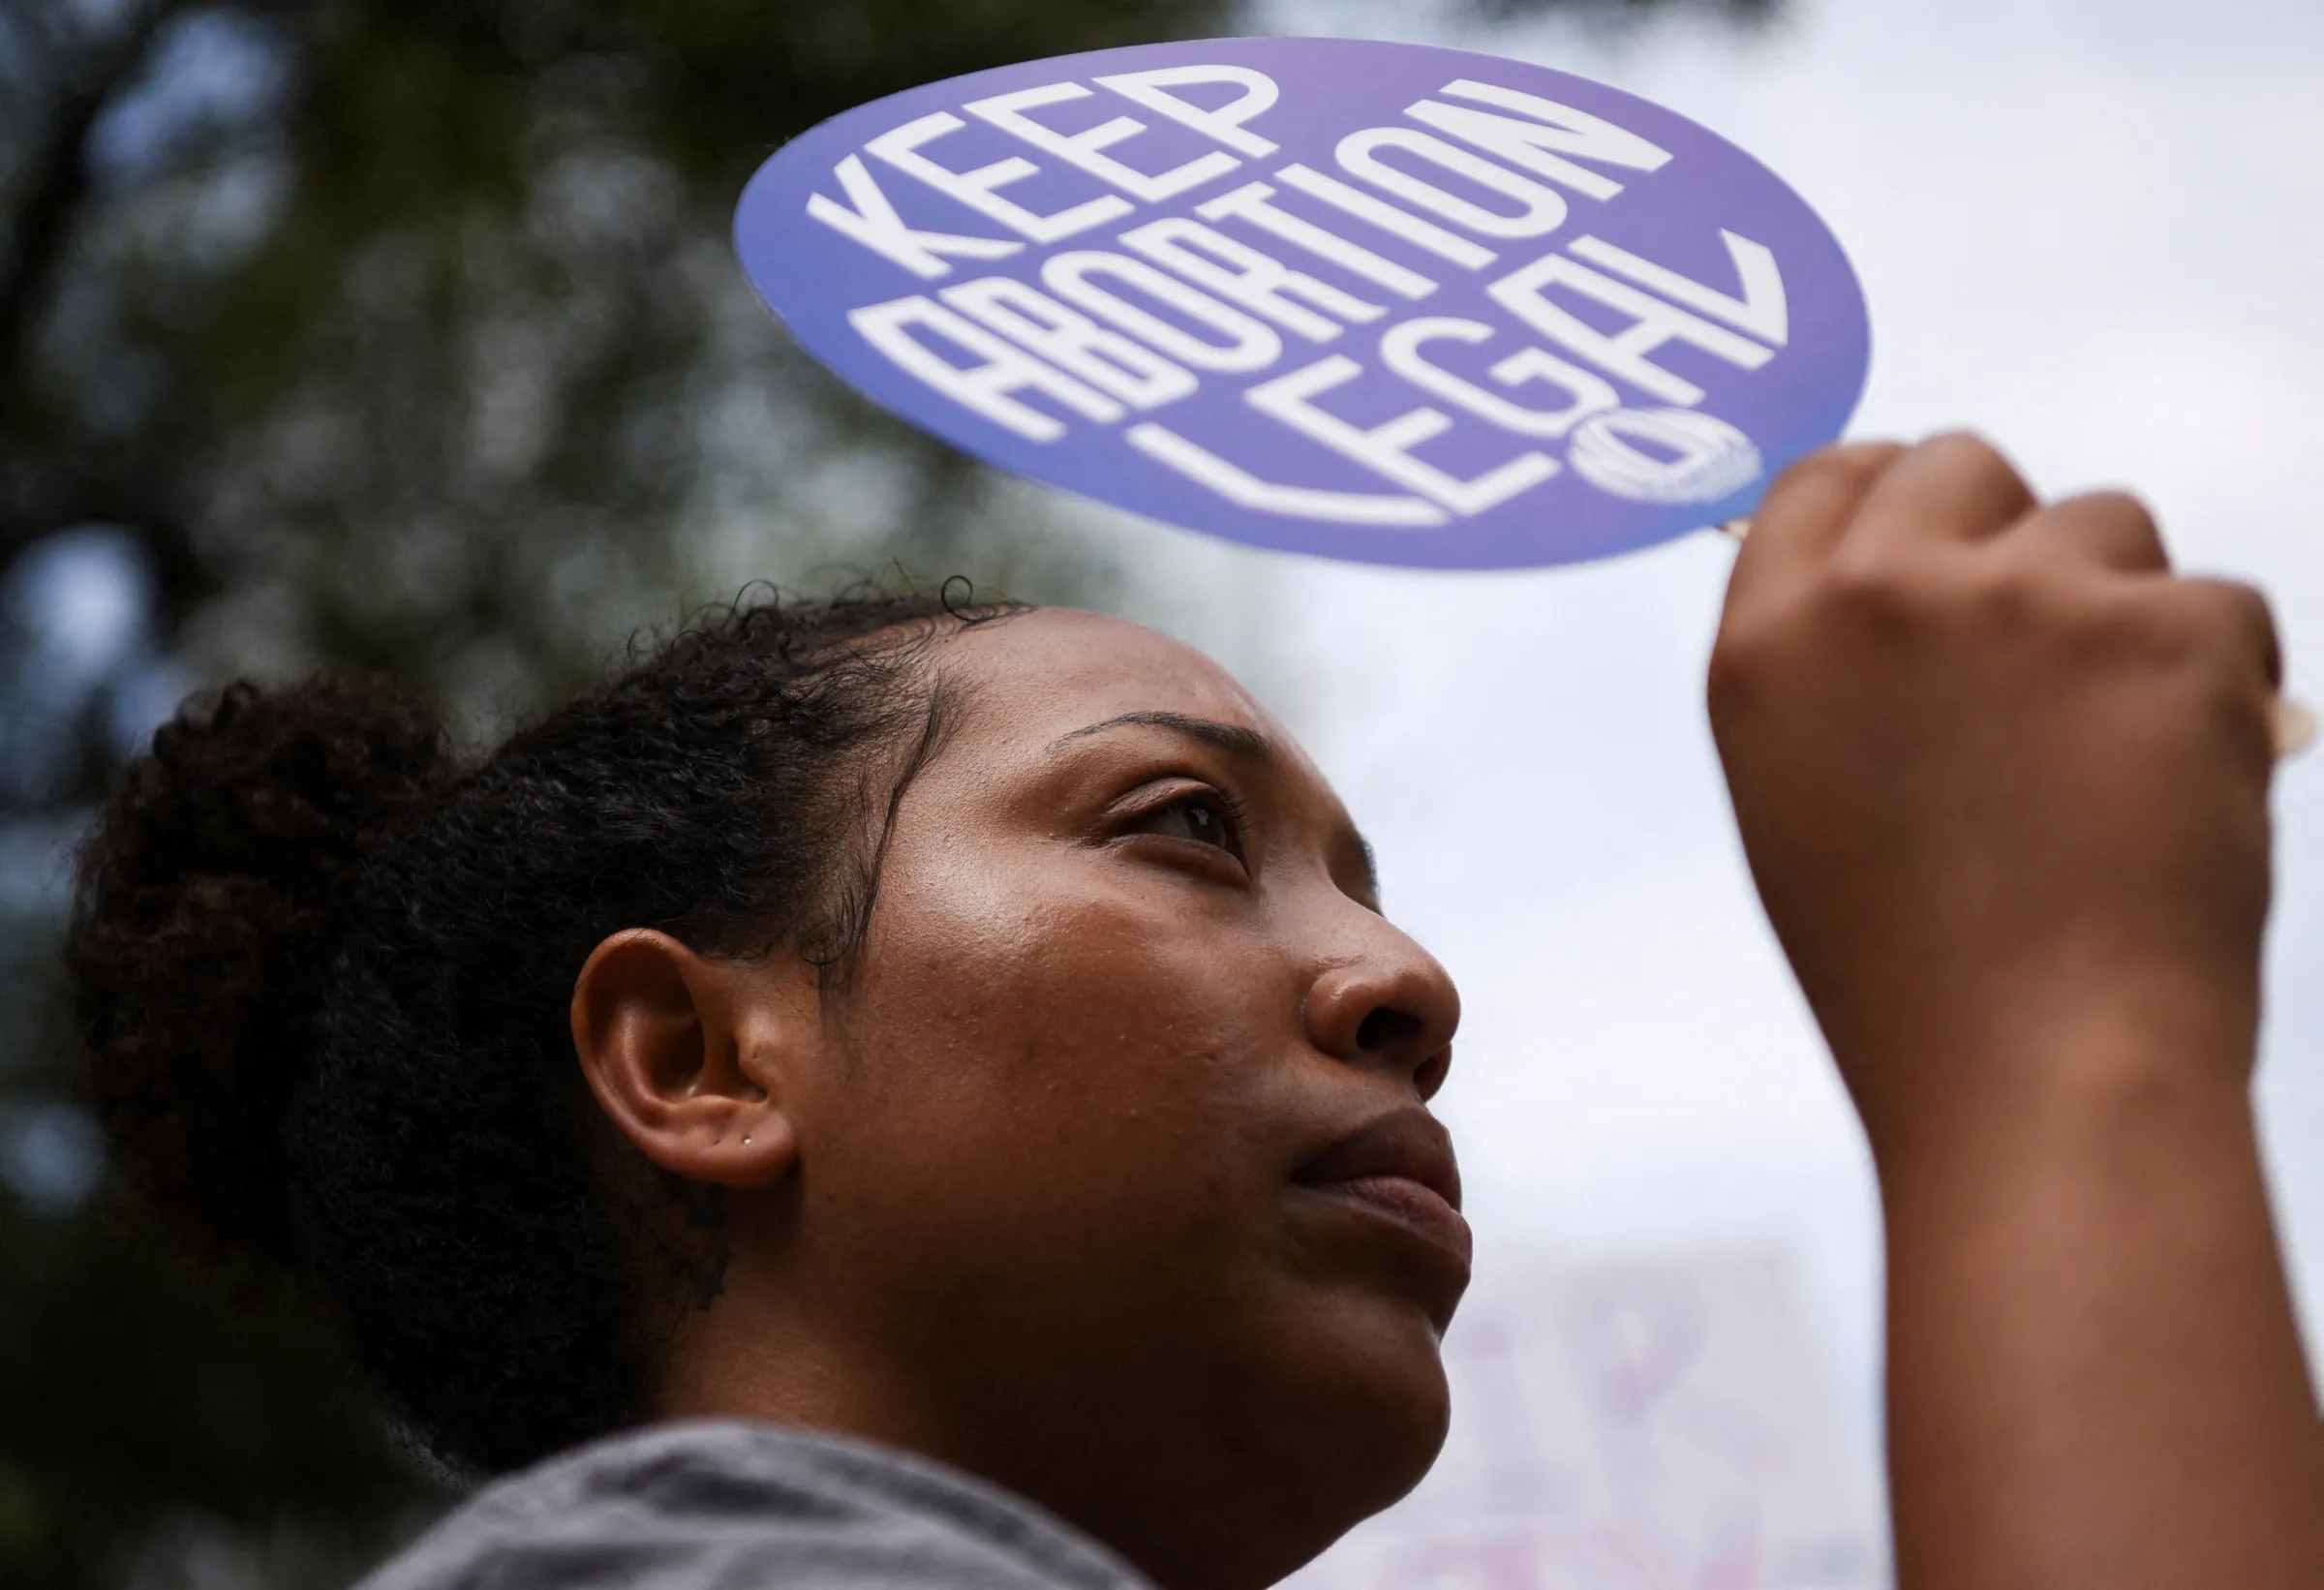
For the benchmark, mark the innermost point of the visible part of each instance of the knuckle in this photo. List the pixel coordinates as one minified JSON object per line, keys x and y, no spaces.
{"x":1970,"y":451}
{"x":1884,"y":601}
{"x":2215,"y":631}
{"x":1741,"y":659}
{"x":2113,"y":506}
{"x":2248,"y":606}
{"x":1976,"y":471}
{"x":2241,"y":623}
{"x":2024,"y":606}
{"x":1763,"y":659}
{"x":2117,"y":521}
{"x":1846,"y":463}
{"x":2216,"y":608}
{"x":1729,"y":684}
{"x":1862,"y":595}
{"x":1860,"y":457}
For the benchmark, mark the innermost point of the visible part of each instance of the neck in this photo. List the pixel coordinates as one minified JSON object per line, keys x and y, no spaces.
{"x":758,"y":1352}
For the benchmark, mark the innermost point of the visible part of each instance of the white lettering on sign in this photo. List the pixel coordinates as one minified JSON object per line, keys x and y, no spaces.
{"x":1587,"y":394}
{"x":1696,"y":457}
{"x":1072,"y":341}
{"x":874,"y":224}
{"x":1540,"y":210}
{"x":1242,"y":274}
{"x":900,"y":149}
{"x":1225,"y":124}
{"x":1387,"y":447}
{"x":1239,"y":486}
{"x":985,"y":386}
{"x":1211,"y":290}
{"x":1253,"y":203}
{"x":1086,"y":150}
{"x":1426,"y":235}
{"x":1524,"y":293}
{"x":1533,"y":143}
{"x":1760,"y":311}
{"x":1250,"y":345}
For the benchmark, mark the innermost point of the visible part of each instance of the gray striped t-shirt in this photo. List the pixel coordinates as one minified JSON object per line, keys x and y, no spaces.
{"x":749,"y":1507}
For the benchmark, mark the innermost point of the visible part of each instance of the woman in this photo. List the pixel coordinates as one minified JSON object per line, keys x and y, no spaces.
{"x":925,"y":1095}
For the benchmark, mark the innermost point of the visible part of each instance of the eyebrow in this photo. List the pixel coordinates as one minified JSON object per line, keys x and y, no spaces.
{"x":1232,"y":738}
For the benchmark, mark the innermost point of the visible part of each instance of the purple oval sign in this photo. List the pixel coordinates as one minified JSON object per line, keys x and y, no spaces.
{"x":1385,"y":302}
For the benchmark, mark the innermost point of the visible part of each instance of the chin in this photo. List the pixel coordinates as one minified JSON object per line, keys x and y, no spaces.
{"x":1308,"y":1415}
{"x":1372,"y":1407}
{"x":1388,"y":1437}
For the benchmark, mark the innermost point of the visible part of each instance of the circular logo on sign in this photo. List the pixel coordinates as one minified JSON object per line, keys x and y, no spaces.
{"x":1386,"y":302}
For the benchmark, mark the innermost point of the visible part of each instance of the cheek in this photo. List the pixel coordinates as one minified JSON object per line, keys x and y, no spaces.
{"x":1074,"y":1069}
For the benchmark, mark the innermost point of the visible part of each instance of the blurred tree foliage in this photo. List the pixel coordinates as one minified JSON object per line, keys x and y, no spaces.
{"x":397,"y":334}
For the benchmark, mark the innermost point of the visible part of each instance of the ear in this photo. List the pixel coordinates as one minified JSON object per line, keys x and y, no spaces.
{"x":691,"y":1058}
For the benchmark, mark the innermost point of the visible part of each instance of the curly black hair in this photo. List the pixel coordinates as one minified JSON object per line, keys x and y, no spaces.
{"x":323,"y":967}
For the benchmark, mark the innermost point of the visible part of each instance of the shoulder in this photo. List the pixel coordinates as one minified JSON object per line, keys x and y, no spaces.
{"x":749,"y":1507}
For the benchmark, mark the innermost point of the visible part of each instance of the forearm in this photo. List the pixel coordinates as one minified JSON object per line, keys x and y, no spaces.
{"x":2096,"y":1381}
{"x":2002,"y":783}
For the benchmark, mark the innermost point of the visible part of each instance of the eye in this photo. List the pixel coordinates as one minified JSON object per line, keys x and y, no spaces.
{"x":1207,"y":816}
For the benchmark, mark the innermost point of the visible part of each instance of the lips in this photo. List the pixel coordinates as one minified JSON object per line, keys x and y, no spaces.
{"x":1399,"y":1166}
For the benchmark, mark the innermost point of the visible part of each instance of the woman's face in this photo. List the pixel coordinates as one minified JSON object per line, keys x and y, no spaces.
{"x":1121,"y":1169}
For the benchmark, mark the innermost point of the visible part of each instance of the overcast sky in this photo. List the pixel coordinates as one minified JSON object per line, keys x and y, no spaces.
{"x":2093,"y":229}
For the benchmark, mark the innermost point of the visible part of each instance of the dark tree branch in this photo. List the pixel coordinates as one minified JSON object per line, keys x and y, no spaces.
{"x":58,"y":180}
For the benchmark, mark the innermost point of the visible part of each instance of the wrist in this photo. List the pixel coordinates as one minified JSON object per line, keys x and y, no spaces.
{"x":2092,"y":1365}
{"x":2021,"y":1081}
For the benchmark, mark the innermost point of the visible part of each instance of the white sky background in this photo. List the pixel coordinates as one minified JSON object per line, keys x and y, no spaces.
{"x":2093,"y":229}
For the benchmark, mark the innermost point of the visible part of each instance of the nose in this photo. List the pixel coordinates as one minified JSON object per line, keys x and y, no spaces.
{"x":1390,"y":1007}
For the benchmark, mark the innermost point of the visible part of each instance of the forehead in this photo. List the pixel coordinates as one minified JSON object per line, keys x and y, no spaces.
{"x":1045,"y":673}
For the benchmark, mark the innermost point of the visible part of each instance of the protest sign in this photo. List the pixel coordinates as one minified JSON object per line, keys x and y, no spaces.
{"x":1386,"y":302}
{"x":1651,"y":1424}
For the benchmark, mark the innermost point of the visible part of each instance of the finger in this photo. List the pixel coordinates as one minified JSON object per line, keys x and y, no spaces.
{"x":1808,"y":507}
{"x":2111,"y":528}
{"x":2237,"y":615}
{"x":1805,"y":513}
{"x":2243,"y":614}
{"x":1955,"y":487}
